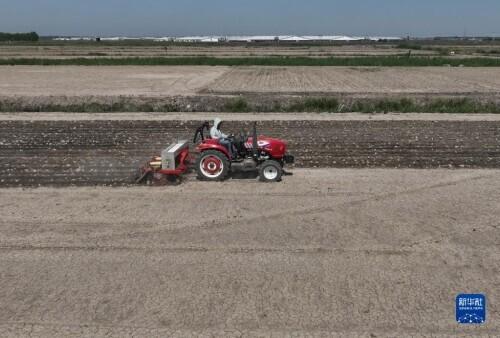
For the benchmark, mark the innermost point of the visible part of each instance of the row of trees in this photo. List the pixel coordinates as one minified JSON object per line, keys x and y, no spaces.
{"x":33,"y":36}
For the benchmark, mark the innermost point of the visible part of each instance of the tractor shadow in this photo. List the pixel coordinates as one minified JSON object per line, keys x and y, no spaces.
{"x":243,"y":175}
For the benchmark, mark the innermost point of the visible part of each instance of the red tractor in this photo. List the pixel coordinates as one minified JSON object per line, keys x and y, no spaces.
{"x":263,"y":155}
{"x":260,"y":155}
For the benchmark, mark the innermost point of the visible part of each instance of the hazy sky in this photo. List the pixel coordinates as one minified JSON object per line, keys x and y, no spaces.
{"x":225,"y":17}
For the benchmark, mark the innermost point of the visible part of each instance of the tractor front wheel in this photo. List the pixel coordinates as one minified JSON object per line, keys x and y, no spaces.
{"x":212,"y":165}
{"x":270,"y":171}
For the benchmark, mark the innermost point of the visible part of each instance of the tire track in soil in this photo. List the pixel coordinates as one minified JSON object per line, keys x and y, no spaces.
{"x":109,"y":152}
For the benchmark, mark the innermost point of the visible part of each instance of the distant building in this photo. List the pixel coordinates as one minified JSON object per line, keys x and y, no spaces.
{"x":251,"y":38}
{"x":239,"y":38}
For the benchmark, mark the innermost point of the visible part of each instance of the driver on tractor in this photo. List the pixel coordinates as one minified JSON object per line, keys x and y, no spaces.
{"x":224,"y":140}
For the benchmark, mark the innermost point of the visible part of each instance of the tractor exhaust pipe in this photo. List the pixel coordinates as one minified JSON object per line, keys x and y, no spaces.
{"x":254,"y":141}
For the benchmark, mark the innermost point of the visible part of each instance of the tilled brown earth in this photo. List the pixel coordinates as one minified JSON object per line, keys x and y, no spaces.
{"x":53,"y":152}
{"x":337,"y":80}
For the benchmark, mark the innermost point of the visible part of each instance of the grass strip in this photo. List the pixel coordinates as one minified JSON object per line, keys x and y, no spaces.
{"x":242,"y":105}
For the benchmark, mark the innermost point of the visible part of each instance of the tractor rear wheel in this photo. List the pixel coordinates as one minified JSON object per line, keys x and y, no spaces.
{"x":270,"y":171}
{"x":212,"y":165}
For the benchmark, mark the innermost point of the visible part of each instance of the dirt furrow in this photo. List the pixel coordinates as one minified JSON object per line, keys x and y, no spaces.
{"x":109,"y":152}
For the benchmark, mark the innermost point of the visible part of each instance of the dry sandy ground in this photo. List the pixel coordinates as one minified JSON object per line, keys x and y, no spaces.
{"x":157,"y":81}
{"x":358,"y":80}
{"x":105,"y":81}
{"x":64,"y":51}
{"x":344,"y":253}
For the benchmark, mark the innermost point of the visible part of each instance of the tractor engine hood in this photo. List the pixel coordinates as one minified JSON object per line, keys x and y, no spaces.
{"x":275,"y":147}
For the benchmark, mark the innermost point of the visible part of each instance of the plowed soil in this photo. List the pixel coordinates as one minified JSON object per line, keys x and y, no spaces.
{"x":104,"y":151}
{"x":338,"y":80}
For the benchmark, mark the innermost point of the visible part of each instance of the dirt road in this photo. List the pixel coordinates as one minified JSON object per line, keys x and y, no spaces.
{"x":337,"y":252}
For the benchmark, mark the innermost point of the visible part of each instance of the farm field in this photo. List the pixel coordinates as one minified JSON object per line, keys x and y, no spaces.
{"x":359,"y":80}
{"x":106,"y":149}
{"x":75,"y":50}
{"x":386,"y":218}
{"x":32,"y":81}
{"x":341,"y":253}
{"x":154,"y":81}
